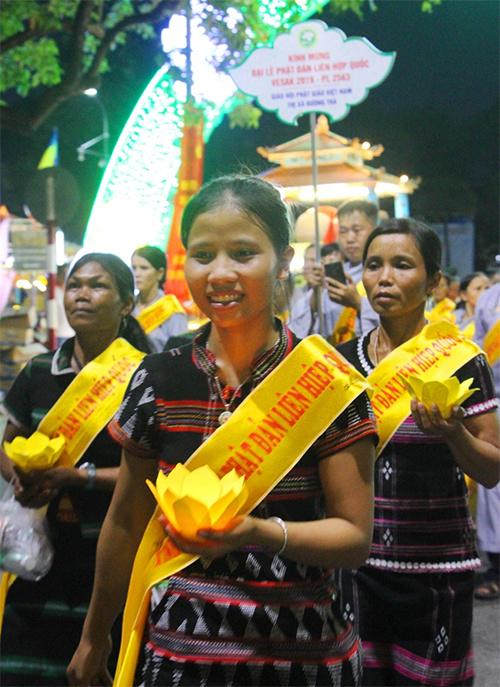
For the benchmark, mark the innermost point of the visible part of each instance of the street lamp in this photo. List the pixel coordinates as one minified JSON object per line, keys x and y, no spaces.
{"x":84,"y":148}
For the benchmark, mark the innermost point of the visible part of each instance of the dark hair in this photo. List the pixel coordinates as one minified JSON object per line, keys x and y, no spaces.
{"x":123,"y":278}
{"x":329,"y":248}
{"x":156,"y":257}
{"x":365,"y":206}
{"x":464,"y":283}
{"x":426,"y":239}
{"x":259,"y":199}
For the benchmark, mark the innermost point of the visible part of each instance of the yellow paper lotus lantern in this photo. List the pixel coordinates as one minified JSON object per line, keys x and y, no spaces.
{"x":198,"y":499}
{"x":445,"y":394}
{"x":36,"y":452}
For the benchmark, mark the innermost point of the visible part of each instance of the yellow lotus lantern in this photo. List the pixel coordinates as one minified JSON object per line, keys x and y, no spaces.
{"x":198,"y":499}
{"x":37,"y":452}
{"x":445,"y":395}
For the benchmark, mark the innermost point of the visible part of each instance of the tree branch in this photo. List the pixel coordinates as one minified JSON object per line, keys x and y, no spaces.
{"x":19,"y":39}
{"x":75,"y":79}
{"x":163,"y":9}
{"x":82,"y":19}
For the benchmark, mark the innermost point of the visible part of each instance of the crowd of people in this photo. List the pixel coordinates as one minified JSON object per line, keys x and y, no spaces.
{"x":358,"y":566}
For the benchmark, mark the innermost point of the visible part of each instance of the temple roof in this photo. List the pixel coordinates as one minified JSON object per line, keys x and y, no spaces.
{"x":330,"y":147}
{"x":337,"y":174}
{"x":340,"y":160}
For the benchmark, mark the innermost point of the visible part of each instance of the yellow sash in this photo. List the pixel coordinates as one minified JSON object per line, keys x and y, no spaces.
{"x":264,"y":439}
{"x":469,"y":330}
{"x":158,"y":312}
{"x":6,"y":579}
{"x":441,"y":311}
{"x":435,"y":354}
{"x":491,"y":343}
{"x":86,"y":406}
{"x":91,"y":400}
{"x":345,"y":326}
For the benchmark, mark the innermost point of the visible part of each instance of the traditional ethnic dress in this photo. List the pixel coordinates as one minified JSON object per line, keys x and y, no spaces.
{"x":43,"y":620}
{"x":251,"y":617}
{"x":413,"y":598}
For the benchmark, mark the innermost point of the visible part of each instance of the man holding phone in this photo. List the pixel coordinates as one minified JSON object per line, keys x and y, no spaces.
{"x":357,"y":219}
{"x":304,"y":319}
{"x":341,"y":287}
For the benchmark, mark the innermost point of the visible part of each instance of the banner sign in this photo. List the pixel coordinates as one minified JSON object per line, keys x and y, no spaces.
{"x":28,"y":242}
{"x":313,"y":68}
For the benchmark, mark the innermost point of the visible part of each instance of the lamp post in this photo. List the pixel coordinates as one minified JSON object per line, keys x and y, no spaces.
{"x":84,"y":149}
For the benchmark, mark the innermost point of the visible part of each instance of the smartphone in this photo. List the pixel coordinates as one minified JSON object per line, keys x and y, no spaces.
{"x":335,"y":270}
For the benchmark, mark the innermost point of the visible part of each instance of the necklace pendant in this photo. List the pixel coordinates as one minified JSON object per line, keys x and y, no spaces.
{"x":224,"y":416}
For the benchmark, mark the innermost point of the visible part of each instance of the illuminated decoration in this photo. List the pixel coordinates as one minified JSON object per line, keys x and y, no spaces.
{"x":342,"y":170}
{"x":190,"y":180}
{"x":134,"y":203}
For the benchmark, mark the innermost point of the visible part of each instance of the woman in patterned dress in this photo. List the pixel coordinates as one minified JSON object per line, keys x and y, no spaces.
{"x":261,"y":608}
{"x":43,"y":620}
{"x":413,"y":597}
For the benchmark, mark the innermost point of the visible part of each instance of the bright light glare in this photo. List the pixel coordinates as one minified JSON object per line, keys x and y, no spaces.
{"x":386,"y":188}
{"x":91,"y":92}
{"x":404,"y":178}
{"x":297,"y":263}
{"x":135,"y":199}
{"x":40,"y":285}
{"x":327,"y":192}
{"x":60,"y":251}
{"x":134,"y":202}
{"x":208,"y":83}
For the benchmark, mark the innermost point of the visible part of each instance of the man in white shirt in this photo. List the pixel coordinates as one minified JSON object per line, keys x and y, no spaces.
{"x":357,"y":219}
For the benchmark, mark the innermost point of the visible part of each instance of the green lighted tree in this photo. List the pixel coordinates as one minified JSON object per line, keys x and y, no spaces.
{"x":51,"y":50}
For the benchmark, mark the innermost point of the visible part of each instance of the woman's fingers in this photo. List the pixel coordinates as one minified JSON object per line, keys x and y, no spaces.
{"x":431,"y":421}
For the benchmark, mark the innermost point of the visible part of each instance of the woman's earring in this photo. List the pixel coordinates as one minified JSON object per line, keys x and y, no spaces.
{"x":123,"y":324}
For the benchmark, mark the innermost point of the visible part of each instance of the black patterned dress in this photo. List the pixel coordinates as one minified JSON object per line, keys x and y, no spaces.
{"x":412,"y":600}
{"x":43,"y":620}
{"x":248,"y":618}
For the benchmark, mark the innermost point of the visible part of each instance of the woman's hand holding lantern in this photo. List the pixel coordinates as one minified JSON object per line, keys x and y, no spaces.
{"x":202,"y":509}
{"x":33,"y":457}
{"x":436,"y":406}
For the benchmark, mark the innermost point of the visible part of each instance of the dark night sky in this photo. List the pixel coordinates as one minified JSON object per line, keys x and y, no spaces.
{"x":436,"y":114}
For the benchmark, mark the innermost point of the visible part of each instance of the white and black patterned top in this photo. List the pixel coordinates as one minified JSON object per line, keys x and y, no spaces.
{"x":422,"y":520}
{"x":252,"y":612}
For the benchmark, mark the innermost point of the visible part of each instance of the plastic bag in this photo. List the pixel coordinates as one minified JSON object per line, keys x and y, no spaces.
{"x":25,"y":546}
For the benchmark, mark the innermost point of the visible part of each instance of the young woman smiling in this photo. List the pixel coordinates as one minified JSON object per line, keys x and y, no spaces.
{"x":260,"y":607}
